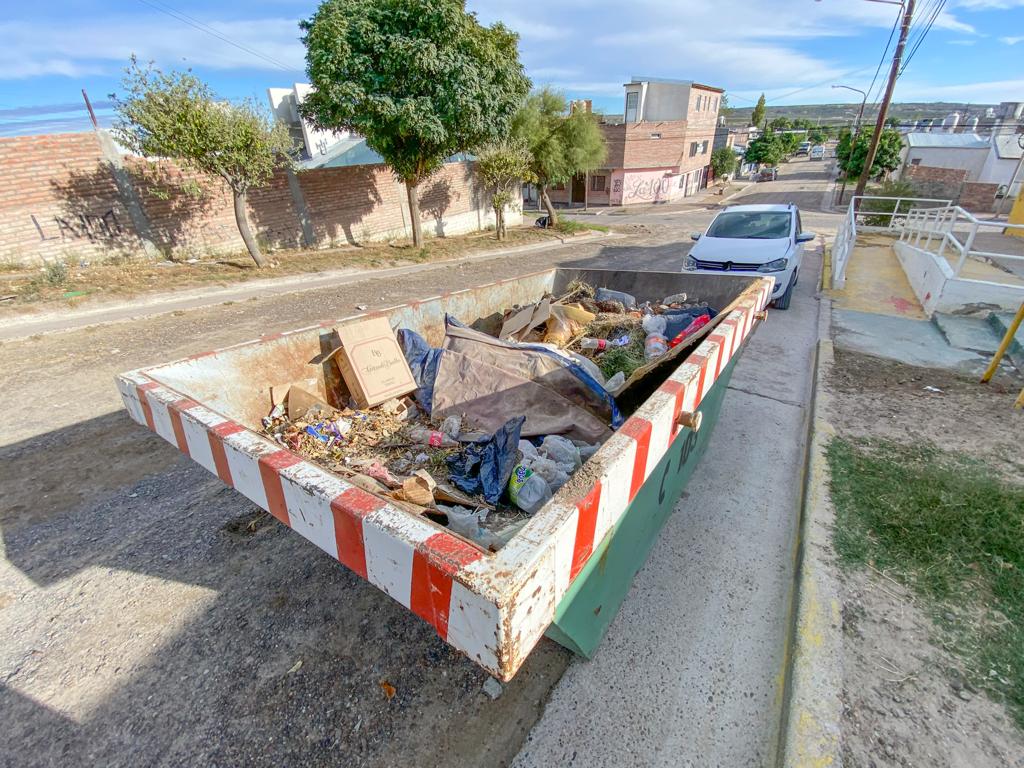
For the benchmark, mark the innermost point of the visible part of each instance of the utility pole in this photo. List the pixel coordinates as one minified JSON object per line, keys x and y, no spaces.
{"x":88,"y":105}
{"x":883,"y":108}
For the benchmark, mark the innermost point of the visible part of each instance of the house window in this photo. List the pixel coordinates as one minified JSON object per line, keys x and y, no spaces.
{"x":597,"y":183}
{"x":700,"y":98}
{"x":682,"y":181}
{"x":704,"y":147}
{"x":715,"y":105}
{"x":632,"y":100}
{"x":916,"y":161}
{"x":655,"y":135}
{"x":693,"y":148}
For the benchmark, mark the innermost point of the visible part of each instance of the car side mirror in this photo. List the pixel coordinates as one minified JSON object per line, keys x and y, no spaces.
{"x":805,"y":237}
{"x":695,"y":235}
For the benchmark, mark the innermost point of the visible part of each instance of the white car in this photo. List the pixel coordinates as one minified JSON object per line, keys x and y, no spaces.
{"x":765,"y":239}
{"x":817,"y":152}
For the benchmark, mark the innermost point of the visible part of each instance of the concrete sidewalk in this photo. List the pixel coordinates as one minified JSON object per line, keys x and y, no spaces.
{"x":692,"y":670}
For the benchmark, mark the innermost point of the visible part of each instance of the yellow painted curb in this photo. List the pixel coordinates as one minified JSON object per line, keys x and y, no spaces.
{"x":811,"y":718}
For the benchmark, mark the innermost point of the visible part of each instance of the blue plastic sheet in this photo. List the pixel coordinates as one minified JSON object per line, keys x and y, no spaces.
{"x":423,"y":360}
{"x":484,"y":467}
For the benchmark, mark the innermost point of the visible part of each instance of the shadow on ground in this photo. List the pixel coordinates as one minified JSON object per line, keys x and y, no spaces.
{"x":169,"y":621}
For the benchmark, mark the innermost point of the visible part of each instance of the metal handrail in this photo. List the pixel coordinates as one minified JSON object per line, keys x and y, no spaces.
{"x":927,"y":223}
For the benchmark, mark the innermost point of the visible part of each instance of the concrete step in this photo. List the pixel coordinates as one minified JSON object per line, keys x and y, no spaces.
{"x":1000,"y":323}
{"x":973,"y":334}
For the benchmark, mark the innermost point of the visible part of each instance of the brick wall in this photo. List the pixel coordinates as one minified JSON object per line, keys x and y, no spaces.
{"x":930,"y":181}
{"x":700,"y":127}
{"x":978,"y":197}
{"x":60,"y":200}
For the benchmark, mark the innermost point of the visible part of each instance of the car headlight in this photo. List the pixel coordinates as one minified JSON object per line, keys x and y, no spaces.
{"x":690,"y":263}
{"x":774,"y":266}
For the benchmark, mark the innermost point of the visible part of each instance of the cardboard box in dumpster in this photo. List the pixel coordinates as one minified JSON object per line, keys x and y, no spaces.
{"x":371,"y":362}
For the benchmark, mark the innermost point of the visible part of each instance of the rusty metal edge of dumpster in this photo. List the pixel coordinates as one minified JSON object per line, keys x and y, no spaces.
{"x":492,"y":608}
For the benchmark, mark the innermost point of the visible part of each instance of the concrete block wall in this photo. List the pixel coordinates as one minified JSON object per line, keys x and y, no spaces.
{"x":61,"y":200}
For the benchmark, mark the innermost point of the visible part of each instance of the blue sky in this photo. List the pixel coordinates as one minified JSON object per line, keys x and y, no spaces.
{"x":791,"y":49}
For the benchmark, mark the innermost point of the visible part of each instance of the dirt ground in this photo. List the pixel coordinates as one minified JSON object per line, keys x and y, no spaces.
{"x":907,"y":701}
{"x":151,"y":616}
{"x":79,"y":283}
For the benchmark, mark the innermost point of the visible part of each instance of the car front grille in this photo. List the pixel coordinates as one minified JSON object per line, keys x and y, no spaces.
{"x":728,"y":266}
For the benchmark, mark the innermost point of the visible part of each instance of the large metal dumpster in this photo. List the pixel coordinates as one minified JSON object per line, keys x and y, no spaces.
{"x":568,"y":570}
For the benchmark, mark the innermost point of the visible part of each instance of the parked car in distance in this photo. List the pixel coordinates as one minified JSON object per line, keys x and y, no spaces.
{"x":803,"y":148}
{"x":767,"y":174}
{"x":764,"y":239}
{"x":817,"y":152}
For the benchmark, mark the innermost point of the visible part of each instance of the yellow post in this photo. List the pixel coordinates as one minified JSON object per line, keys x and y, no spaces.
{"x":1003,"y":346}
{"x":1016,"y":215}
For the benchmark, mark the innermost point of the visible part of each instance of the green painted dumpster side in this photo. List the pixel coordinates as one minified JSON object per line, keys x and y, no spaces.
{"x":588,"y":607}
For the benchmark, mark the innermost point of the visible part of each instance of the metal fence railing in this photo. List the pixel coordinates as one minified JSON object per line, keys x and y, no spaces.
{"x":868,"y":213}
{"x":939,"y":231}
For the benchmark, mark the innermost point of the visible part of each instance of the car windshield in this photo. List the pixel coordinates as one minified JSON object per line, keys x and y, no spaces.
{"x":751,"y":225}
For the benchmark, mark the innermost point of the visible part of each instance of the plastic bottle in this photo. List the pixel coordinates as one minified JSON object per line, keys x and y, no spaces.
{"x":528,"y":490}
{"x":602,"y":344}
{"x":424,"y":436}
{"x":655,"y":345}
{"x":616,"y":381}
{"x":698,"y":323}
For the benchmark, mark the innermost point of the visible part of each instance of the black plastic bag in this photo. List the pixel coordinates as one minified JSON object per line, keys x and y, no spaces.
{"x":484,"y":467}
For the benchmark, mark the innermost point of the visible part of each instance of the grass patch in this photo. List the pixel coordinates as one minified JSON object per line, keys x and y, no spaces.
{"x":954,"y":533}
{"x":573,"y":227}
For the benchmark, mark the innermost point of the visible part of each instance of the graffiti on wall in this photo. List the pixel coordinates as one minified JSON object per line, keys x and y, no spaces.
{"x":649,"y":188}
{"x":82,"y":226}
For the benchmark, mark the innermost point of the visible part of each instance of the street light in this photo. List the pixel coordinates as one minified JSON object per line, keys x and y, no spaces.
{"x":856,"y":129}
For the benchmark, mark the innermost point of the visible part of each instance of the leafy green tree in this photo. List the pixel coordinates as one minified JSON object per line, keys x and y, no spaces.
{"x":176,"y":115}
{"x":503,"y":167}
{"x":760,"y":111}
{"x":816,"y":136}
{"x":421,"y":79}
{"x":790,"y":142}
{"x":767,"y":149}
{"x":779,"y":124}
{"x":561,"y":143}
{"x":851,"y":155}
{"x":723,"y":161}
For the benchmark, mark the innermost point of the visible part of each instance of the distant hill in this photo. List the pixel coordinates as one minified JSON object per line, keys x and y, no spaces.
{"x":845,"y":114}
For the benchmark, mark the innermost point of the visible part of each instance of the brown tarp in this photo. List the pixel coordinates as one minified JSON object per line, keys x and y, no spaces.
{"x":489,"y":396}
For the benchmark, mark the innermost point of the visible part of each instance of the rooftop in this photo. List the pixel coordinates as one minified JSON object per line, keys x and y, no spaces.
{"x":1008,"y":146}
{"x":947,"y":140}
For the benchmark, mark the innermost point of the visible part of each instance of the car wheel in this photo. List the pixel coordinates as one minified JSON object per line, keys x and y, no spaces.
{"x":783,"y":301}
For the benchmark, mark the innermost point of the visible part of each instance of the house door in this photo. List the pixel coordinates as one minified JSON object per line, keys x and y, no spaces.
{"x":579,"y":189}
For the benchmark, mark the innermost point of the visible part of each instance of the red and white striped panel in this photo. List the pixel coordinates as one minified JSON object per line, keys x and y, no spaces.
{"x":492,"y":607}
{"x":552,"y":551}
{"x":405,"y":556}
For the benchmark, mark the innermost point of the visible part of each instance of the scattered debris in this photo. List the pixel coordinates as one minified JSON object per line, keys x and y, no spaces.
{"x":295,"y":667}
{"x":493,"y":688}
{"x":933,"y":389}
{"x":389,"y":690}
{"x":479,"y":433}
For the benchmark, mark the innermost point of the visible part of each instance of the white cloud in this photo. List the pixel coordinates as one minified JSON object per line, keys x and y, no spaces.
{"x":961,"y":42}
{"x":104,"y":46}
{"x":988,"y":5}
{"x":1012,"y":40}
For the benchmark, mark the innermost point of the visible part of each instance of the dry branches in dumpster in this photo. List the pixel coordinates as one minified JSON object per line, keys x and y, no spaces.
{"x":479,"y":433}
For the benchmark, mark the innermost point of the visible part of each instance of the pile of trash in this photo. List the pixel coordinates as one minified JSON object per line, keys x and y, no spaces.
{"x":479,"y":433}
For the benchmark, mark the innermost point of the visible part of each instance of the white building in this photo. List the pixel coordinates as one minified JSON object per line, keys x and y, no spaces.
{"x":988,"y":159}
{"x":1003,"y":160}
{"x":316,"y":144}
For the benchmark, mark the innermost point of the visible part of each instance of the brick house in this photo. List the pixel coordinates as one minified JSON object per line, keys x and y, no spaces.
{"x":660,"y":150}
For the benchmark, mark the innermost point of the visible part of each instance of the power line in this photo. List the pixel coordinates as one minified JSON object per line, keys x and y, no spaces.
{"x":924,"y":33}
{"x":881,"y":60}
{"x":202,"y":27}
